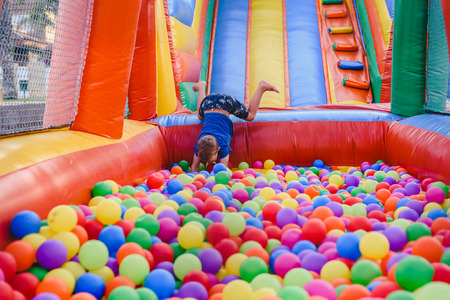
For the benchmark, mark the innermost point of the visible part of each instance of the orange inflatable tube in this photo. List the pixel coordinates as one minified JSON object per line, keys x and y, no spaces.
{"x":142,"y":90}
{"x":106,"y":75}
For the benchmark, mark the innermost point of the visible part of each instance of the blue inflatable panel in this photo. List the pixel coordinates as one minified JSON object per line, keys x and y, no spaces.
{"x":431,"y":122}
{"x":306,"y":79}
{"x":182,"y":10}
{"x":351,"y":65}
{"x":230,"y":44}
{"x":390,"y":7}
{"x":292,"y":115}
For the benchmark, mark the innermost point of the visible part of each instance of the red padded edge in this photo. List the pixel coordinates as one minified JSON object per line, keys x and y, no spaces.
{"x":423,"y":153}
{"x":69,"y":179}
{"x":290,"y":142}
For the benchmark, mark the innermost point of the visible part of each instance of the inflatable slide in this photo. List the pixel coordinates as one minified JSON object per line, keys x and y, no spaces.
{"x":339,"y":189}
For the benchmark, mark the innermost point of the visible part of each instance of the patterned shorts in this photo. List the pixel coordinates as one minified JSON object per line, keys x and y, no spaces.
{"x":225,"y":102}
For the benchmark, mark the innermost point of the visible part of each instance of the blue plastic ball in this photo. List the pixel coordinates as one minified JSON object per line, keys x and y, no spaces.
{"x":161,"y":282}
{"x":90,"y":283}
{"x":347,"y":246}
{"x":24,"y":223}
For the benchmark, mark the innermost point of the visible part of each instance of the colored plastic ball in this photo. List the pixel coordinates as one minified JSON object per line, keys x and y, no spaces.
{"x":161,"y":282}
{"x":102,"y":188}
{"x":412,"y":272}
{"x":24,"y":223}
{"x":51,"y":254}
{"x":62,"y":218}
{"x":185,"y":263}
{"x":90,"y":283}
{"x":93,"y":254}
{"x":347,"y":246}
{"x":364,"y":271}
{"x":374,"y":245}
{"x":135,"y":267}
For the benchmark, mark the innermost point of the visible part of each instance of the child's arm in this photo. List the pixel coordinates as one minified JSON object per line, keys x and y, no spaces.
{"x":195,"y":164}
{"x":225,"y":160}
{"x":200,"y":88}
{"x":263,"y":87}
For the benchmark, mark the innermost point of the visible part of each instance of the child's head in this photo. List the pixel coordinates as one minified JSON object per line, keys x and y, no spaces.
{"x":207,"y":149}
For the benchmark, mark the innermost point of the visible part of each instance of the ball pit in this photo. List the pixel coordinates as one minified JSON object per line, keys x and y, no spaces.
{"x":272,"y":232}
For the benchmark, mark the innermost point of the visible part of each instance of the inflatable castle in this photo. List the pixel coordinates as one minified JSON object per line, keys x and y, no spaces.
{"x":359,"y":81}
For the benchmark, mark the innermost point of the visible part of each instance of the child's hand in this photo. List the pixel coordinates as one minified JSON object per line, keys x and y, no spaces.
{"x":198,"y":86}
{"x":266,"y":86}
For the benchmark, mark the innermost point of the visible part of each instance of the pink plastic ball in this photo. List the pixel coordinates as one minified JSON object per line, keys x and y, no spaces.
{"x":435,"y":194}
{"x":258,"y":165}
{"x":286,"y":262}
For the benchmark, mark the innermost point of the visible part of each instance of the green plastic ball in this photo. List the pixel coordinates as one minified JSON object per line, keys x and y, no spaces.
{"x":101,"y":188}
{"x":184,"y":165}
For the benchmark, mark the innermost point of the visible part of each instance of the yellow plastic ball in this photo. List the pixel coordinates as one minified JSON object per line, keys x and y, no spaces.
{"x":114,"y":186}
{"x":218,"y":187}
{"x":46,"y":232}
{"x":70,"y":240}
{"x":75,"y":268}
{"x":96,"y":200}
{"x":291,"y":176}
{"x":432,"y":205}
{"x":269,"y":164}
{"x":264,"y":292}
{"x":159,"y":209}
{"x":62,"y":218}
{"x":292,"y":203}
{"x":108,"y":212}
{"x":335,"y":179}
{"x":64,"y":275}
{"x":233,"y":263}
{"x":35,"y":239}
{"x":133,"y":213}
{"x":334,"y":269}
{"x":172,"y":204}
{"x":374,"y":245}
{"x":104,"y":272}
{"x":398,"y":210}
{"x":267,"y":192}
{"x":237,"y":290}
{"x":190,"y":236}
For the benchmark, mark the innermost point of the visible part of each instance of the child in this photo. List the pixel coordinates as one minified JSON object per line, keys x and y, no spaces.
{"x":214,"y":140}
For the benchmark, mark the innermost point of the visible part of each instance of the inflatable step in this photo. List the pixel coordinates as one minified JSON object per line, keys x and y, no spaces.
{"x":335,"y":14}
{"x":352,"y":82}
{"x":346,"y":29}
{"x":350,"y":65}
{"x":329,"y":2}
{"x":345,"y":47}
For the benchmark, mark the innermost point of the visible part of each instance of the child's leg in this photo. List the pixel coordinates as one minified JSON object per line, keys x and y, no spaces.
{"x":263,"y":87}
{"x":200,"y":88}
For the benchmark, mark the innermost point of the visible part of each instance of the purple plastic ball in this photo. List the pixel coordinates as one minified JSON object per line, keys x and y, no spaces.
{"x":193,"y":289}
{"x":51,"y":254}
{"x":211,"y":260}
{"x":396,"y":236}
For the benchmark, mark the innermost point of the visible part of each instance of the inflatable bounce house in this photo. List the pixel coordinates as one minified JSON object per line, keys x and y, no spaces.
{"x":337,"y":190}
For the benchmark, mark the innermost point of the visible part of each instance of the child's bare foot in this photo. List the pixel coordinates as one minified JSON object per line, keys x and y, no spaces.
{"x":199,"y":85}
{"x":266,"y":86}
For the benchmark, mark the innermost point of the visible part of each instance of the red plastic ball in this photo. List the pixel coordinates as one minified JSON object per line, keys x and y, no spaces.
{"x":217,"y":232}
{"x":314,"y":230}
{"x":360,"y":222}
{"x":226,"y":247}
{"x":162,"y":252}
{"x":270,"y":211}
{"x":258,"y":235}
{"x":26,"y":283}
{"x":198,"y":276}
{"x":93,"y":228}
{"x":273,"y":232}
{"x":155,"y":180}
{"x":8,"y":264}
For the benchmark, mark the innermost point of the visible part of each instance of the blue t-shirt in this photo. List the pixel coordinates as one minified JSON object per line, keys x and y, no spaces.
{"x":219,"y":126}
